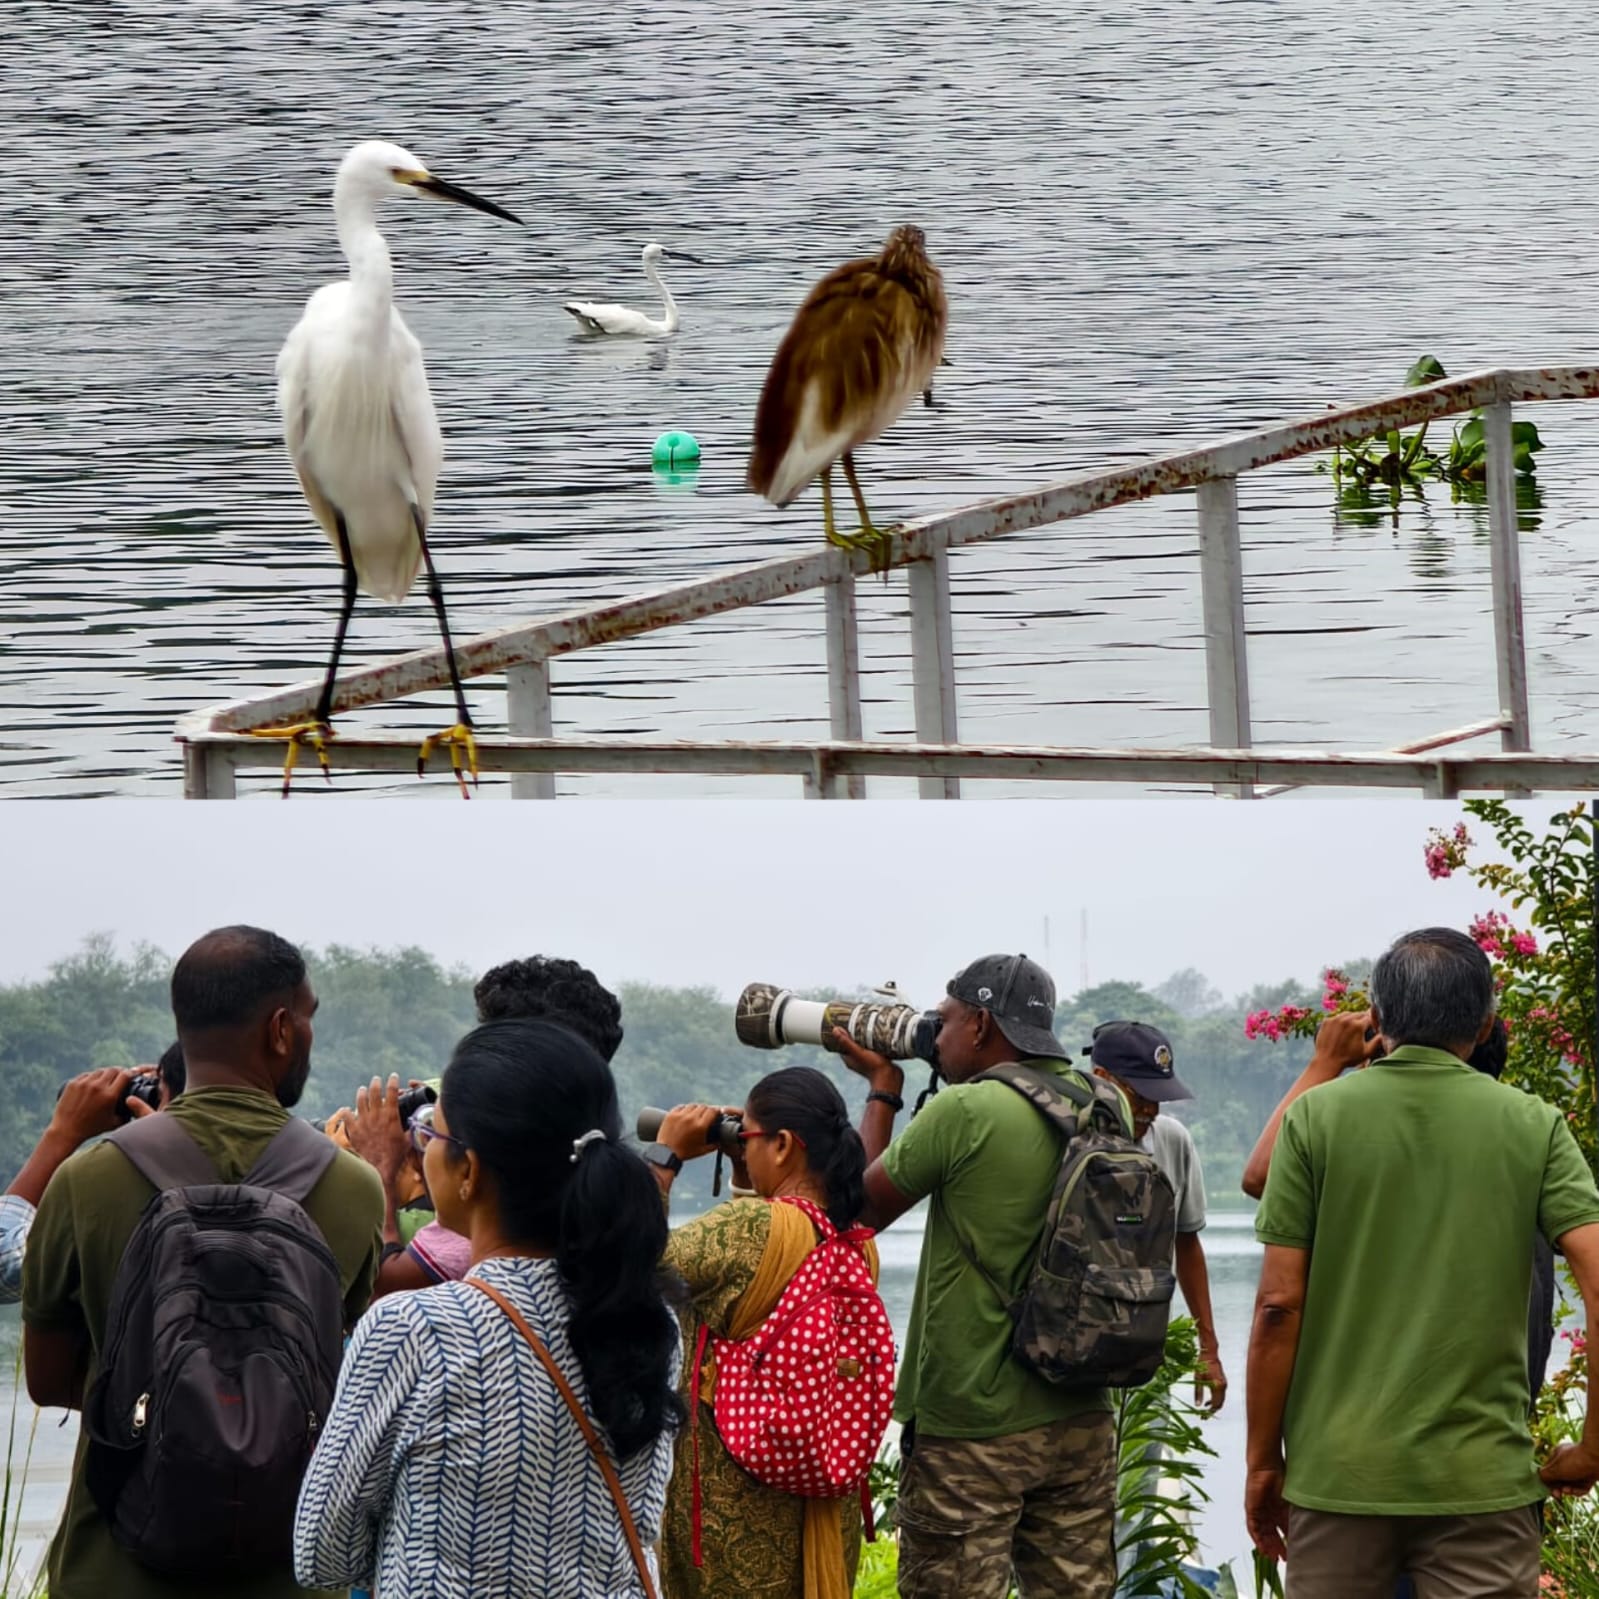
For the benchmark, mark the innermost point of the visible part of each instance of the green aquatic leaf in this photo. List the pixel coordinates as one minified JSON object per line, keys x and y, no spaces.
{"x":1426,"y":370}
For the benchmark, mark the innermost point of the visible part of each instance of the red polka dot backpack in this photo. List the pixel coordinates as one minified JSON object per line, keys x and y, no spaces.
{"x":803,"y":1403}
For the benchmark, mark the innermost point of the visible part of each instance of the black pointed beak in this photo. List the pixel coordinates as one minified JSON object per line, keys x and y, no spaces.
{"x":683,"y":255}
{"x":451,"y":191}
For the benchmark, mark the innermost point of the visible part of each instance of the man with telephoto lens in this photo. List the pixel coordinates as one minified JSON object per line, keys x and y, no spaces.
{"x":1002,"y":1470}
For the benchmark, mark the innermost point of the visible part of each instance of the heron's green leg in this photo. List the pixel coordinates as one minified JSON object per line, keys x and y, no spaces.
{"x":873,"y":539}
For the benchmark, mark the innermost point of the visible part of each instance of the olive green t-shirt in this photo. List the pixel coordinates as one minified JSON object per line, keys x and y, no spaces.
{"x":1417,"y":1186}
{"x":989,"y":1160}
{"x":85,"y":1220}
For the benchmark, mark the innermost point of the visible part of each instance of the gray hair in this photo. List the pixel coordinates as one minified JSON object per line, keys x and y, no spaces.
{"x":1433,"y":987}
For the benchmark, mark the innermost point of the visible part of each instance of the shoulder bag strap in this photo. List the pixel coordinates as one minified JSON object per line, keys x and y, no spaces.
{"x":580,"y":1416}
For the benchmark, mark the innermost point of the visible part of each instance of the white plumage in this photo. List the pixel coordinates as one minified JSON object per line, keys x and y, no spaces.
{"x":624,"y":322}
{"x":357,"y":414}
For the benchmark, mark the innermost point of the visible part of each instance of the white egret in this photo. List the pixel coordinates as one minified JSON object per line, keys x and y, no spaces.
{"x":361,"y":428}
{"x":865,"y":342}
{"x":623,"y":321}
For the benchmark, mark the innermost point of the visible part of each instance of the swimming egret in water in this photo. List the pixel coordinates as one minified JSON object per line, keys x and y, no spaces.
{"x":361,"y":429}
{"x":864,"y":344}
{"x":621,"y":320}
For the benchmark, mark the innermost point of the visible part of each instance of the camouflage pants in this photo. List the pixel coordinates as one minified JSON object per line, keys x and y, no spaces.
{"x":1040,"y":1502}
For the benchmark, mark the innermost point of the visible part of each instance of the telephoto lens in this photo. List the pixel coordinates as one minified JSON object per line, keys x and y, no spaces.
{"x":768,"y":1017}
{"x":724,"y":1134}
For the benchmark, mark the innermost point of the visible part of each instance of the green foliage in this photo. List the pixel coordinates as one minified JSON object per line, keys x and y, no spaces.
{"x":877,"y":1577}
{"x":400,"y":1010}
{"x":13,"y":1485}
{"x":1544,"y":969}
{"x":1160,"y":1455}
{"x":1395,"y":461}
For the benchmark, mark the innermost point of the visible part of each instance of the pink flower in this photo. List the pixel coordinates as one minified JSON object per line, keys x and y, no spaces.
{"x":1446,"y":852}
{"x":1524,"y":943}
{"x":1489,"y":930}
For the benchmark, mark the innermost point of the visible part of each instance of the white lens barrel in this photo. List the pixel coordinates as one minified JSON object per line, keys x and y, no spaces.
{"x":798,"y":1021}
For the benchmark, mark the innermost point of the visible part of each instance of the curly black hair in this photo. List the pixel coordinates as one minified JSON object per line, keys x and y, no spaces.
{"x":552,"y":989}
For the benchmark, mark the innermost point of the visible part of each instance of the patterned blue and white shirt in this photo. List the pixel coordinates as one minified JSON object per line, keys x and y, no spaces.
{"x":16,"y":1217}
{"x":450,"y":1466}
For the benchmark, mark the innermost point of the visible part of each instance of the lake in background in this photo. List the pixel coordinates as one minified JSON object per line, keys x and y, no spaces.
{"x":1160,"y":223}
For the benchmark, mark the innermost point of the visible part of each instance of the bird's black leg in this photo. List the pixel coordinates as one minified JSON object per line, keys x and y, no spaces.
{"x":436,"y":595}
{"x":459,"y":737}
{"x":324,"y":707}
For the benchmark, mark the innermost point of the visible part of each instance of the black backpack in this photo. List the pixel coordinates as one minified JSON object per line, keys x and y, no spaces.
{"x":1095,"y":1308}
{"x":221,"y":1350}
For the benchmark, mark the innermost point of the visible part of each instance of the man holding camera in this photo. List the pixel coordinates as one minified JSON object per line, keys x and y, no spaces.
{"x":243,"y":1006}
{"x":89,"y":1104}
{"x":1387,"y":1383}
{"x":1002,"y":1470}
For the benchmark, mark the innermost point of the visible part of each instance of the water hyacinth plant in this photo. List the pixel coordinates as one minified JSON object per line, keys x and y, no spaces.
{"x":1400,"y":459}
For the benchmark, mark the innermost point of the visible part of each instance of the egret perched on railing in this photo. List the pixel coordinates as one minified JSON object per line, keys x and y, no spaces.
{"x":361,"y":429}
{"x":622,"y":320}
{"x":865,"y":343}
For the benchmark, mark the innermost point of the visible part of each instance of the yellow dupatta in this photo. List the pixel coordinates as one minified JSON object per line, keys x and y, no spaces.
{"x":791,"y":1239}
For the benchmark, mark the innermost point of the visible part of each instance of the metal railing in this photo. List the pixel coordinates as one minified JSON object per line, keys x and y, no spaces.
{"x":217,"y":742}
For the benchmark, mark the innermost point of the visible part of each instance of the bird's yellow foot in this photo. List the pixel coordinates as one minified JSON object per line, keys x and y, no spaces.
{"x":316,"y":734}
{"x":877,"y":542}
{"x":458,"y":740}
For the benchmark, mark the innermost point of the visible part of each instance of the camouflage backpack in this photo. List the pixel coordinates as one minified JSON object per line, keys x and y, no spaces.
{"x":1095,"y":1307}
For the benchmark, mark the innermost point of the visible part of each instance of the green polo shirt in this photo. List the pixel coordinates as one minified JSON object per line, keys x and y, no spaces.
{"x":85,"y":1220}
{"x":989,"y":1161}
{"x":1417,"y":1185}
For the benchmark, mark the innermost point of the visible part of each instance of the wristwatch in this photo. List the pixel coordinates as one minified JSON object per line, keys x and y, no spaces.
{"x":660,"y":1155}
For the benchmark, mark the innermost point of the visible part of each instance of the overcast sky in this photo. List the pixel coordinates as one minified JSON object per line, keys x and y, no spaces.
{"x":723,"y":893}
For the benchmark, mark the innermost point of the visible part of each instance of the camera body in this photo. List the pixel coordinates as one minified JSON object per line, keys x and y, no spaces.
{"x":723,"y":1136}
{"x":768,"y":1017}
{"x":143,"y":1086}
{"x":413,"y":1099}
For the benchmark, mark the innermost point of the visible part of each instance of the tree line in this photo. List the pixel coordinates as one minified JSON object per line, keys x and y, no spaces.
{"x":400,"y":1010}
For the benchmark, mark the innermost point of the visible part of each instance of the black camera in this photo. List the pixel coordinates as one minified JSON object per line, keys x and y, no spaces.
{"x":142,"y":1086}
{"x":413,"y":1099}
{"x":723,"y":1136}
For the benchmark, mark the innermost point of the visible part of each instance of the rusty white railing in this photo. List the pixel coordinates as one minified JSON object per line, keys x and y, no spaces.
{"x":217,"y":742}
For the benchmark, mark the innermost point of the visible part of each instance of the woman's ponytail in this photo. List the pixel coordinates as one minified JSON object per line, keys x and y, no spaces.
{"x":524,"y":1095}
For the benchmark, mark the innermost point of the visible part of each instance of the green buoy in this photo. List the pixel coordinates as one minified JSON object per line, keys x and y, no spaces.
{"x":676,"y":449}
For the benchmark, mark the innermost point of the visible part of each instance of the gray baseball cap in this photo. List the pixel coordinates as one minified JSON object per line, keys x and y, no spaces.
{"x":1020,"y":995}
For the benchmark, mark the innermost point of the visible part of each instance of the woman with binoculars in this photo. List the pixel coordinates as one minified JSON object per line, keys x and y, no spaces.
{"x":795,"y":1142}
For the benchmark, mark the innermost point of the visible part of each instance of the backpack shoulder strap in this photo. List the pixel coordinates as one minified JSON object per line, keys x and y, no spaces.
{"x":292,"y":1164}
{"x":162,"y":1151}
{"x":818,"y":1217}
{"x":1060,"y":1098}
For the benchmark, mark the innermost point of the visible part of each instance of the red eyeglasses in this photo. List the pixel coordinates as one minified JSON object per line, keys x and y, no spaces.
{"x":746,"y":1133}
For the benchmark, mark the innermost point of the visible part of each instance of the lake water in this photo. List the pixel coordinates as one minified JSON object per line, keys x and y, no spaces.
{"x":1159,"y":223}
